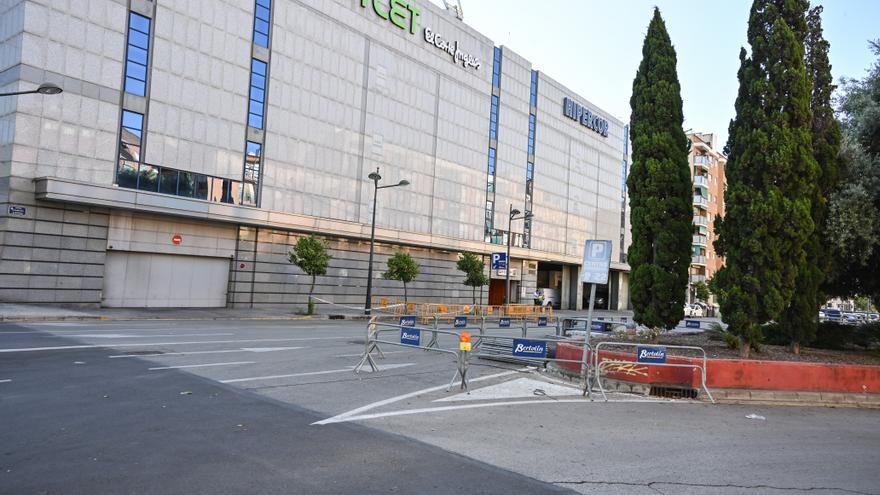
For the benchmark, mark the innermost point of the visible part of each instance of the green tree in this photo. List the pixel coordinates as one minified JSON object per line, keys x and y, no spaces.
{"x":770,"y":172}
{"x":853,"y":225}
{"x":799,"y":322}
{"x":701,"y":290}
{"x":402,"y":267}
{"x":660,"y":187}
{"x":311,"y":256}
{"x":473,"y":268}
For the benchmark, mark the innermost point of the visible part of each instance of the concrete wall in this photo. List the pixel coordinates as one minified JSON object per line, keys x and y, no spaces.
{"x":263,"y":277}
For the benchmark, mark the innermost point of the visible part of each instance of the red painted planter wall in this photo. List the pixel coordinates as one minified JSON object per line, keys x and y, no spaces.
{"x":740,"y":373}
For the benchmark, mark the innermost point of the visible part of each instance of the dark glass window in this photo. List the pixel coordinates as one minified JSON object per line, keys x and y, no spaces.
{"x":127,"y":174}
{"x":261,"y":22}
{"x":530,"y":171}
{"x":496,"y":68}
{"x":130,"y":135}
{"x":533,"y":92}
{"x":148,"y":178}
{"x":168,"y":181}
{"x":201,"y":186}
{"x":186,"y":184}
{"x":252,"y":166}
{"x":257,"y":102}
{"x":137,"y":54}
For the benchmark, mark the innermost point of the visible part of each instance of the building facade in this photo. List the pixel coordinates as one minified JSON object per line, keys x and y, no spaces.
{"x":707,"y":170}
{"x":192,"y":146}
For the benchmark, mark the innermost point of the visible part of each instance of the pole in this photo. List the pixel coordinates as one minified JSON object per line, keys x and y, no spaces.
{"x":507,"y":271}
{"x":588,"y":387}
{"x":369,"y":306}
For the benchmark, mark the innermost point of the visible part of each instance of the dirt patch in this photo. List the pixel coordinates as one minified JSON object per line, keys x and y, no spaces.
{"x":717,"y":349}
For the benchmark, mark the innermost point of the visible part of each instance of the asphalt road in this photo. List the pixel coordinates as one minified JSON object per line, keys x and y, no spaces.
{"x":273,"y":407}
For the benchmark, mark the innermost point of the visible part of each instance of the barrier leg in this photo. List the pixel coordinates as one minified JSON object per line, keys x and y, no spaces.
{"x":599,"y":382}
{"x":525,"y":327}
{"x":461,"y":371}
{"x":369,"y":345}
{"x":433,"y":342}
{"x":703,"y":379}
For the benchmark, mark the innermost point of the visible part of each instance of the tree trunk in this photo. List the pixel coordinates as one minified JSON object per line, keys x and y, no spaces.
{"x":474,"y":294}
{"x":796,"y":348}
{"x":405,"y":298}
{"x":745,"y":348}
{"x":309,"y":303}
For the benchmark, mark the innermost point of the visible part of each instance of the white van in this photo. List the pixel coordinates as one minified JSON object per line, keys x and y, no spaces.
{"x":551,"y":297}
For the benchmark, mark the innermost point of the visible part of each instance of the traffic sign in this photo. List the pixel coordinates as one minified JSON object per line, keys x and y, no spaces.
{"x":499,"y":261}
{"x":597,"y":261}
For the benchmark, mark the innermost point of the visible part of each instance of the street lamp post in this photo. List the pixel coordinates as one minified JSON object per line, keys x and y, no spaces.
{"x":513,"y":216}
{"x":375,"y":177}
{"x":43,"y":89}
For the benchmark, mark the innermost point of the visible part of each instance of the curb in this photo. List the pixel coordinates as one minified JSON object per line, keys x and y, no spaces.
{"x":25,"y":319}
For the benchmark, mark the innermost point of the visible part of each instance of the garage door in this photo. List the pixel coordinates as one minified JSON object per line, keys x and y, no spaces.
{"x":145,"y":280}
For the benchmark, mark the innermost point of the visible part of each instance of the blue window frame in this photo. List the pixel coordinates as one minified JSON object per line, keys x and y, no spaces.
{"x":496,"y":68}
{"x":257,"y":98}
{"x":130,"y":136}
{"x":137,"y":54}
{"x":252,"y":171}
{"x":262,"y":19}
{"x":533,"y":93}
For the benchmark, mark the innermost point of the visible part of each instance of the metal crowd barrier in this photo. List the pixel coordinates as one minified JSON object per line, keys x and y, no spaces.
{"x":410,"y":336}
{"x":600,"y":366}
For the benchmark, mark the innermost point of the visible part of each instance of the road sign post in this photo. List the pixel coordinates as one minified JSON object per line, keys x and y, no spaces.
{"x":597,"y":261}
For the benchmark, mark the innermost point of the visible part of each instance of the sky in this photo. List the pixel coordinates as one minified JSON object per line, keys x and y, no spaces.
{"x":594,"y":46}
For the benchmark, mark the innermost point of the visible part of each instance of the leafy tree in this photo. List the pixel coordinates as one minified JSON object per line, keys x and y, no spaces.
{"x":473,"y":268}
{"x":310,"y":255}
{"x":701,"y":290}
{"x":800,"y":320}
{"x":660,"y":187}
{"x":770,"y":172}
{"x":402,"y":267}
{"x":853,"y":225}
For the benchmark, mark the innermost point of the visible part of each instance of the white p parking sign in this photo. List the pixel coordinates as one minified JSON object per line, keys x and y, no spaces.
{"x":597,"y":261}
{"x":499,"y":261}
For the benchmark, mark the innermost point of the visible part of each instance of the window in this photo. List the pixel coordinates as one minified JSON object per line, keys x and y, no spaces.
{"x":533,"y":93}
{"x":493,"y":118}
{"x":496,"y":68}
{"x":130,"y":135}
{"x":261,"y":23}
{"x":252,"y":165}
{"x":257,"y":100}
{"x":137,"y":54}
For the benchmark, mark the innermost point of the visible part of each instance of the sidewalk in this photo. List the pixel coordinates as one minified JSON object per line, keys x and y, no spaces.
{"x":37,"y":312}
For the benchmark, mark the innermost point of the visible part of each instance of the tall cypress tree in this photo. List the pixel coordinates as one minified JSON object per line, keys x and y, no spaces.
{"x":660,"y":187}
{"x":799,"y":321}
{"x":770,"y":173}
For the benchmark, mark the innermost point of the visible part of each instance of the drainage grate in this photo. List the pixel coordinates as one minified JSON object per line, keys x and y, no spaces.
{"x":673,"y":392}
{"x":335,"y":317}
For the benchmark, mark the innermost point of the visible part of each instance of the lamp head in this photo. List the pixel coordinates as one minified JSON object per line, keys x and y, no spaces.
{"x":374,"y":176}
{"x":514,"y":212}
{"x":49,"y":89}
{"x":404,"y":182}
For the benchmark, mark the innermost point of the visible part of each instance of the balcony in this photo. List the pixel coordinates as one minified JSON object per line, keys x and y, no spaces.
{"x":697,"y":278}
{"x":700,"y":240}
{"x":701,"y":181}
{"x":701,"y":202}
{"x":698,"y":260}
{"x":701,"y":221}
{"x":702,"y":162}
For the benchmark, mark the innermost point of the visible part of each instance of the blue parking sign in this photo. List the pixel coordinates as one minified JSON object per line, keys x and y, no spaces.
{"x":499,"y":261}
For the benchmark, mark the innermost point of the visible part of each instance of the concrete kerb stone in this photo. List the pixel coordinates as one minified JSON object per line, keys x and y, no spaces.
{"x":796,"y":398}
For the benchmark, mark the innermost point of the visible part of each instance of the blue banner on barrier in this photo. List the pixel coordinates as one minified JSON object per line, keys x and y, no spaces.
{"x":459,"y":321}
{"x":529,"y":348}
{"x":651,"y":354}
{"x":597,"y":326}
{"x":542,"y":321}
{"x":410,"y":336}
{"x":407,"y":321}
{"x":504,"y":322}
{"x":692,"y":323}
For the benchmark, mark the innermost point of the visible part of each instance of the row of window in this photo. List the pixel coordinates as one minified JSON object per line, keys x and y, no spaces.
{"x":530,"y":161}
{"x":262,"y":20}
{"x":257,"y":97}
{"x":152,"y":178}
{"x":137,"y":54}
{"x":495,"y":102}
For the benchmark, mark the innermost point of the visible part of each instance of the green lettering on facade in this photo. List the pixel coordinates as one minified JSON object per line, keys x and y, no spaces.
{"x":397,"y":13}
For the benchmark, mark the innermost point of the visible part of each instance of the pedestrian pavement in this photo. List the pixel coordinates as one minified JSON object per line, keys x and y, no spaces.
{"x":42,"y":312}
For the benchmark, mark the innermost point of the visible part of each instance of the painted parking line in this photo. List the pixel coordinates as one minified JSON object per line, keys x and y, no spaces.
{"x":361,"y":354}
{"x":148,"y":344}
{"x":311,"y":373}
{"x":6,"y":380}
{"x":199,"y":365}
{"x":129,"y":336}
{"x":224,"y":351}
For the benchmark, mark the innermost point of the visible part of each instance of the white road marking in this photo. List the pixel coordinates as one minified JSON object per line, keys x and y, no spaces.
{"x":311,"y":373}
{"x":147,"y":344}
{"x":475,"y":406}
{"x":199,"y":365}
{"x":6,"y":380}
{"x":225,"y":351}
{"x":128,"y":336}
{"x":385,"y":402}
{"x":361,"y":354}
{"x":519,"y":388}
